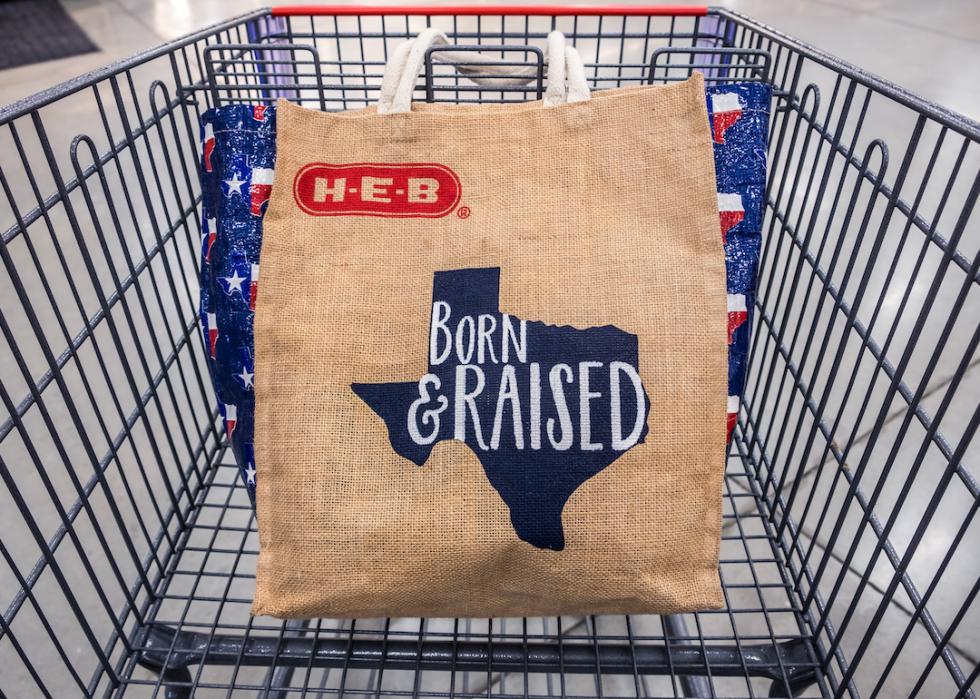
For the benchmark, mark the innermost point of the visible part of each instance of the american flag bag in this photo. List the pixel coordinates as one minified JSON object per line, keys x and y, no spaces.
{"x":238,"y":154}
{"x":739,"y":115}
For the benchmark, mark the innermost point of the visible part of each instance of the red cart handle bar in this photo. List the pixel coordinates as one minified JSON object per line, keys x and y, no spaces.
{"x":534,"y":10}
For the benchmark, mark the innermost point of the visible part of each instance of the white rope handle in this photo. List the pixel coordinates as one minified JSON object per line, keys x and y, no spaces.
{"x":578,"y":83}
{"x":393,"y":75}
{"x":557,"y":90}
{"x":566,"y":74}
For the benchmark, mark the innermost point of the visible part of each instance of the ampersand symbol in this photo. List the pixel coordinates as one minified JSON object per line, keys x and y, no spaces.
{"x":430,"y":416}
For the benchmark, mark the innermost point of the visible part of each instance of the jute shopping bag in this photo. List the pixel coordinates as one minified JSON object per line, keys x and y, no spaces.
{"x":490,"y":357}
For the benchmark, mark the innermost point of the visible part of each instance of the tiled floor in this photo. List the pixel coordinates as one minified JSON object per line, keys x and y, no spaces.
{"x":933,"y":49}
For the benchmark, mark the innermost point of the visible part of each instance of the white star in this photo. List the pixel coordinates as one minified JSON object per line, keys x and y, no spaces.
{"x":246,"y":376}
{"x":235,"y":185}
{"x":234,"y":282}
{"x":250,"y":474}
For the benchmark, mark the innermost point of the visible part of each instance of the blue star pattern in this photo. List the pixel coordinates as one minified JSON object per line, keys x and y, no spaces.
{"x":739,"y":115}
{"x":238,"y":152}
{"x":237,"y":162}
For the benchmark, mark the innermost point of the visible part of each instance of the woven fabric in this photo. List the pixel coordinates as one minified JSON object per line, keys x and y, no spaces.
{"x":406,"y":465}
{"x":232,"y":131}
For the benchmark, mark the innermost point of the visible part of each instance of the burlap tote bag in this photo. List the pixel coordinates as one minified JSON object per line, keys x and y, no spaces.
{"x":491,"y":356}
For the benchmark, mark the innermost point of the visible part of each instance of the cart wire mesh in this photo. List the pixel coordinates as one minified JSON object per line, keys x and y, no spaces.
{"x":848,"y":558}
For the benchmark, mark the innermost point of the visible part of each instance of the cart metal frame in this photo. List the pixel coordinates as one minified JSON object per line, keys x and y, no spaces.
{"x":127,"y":548}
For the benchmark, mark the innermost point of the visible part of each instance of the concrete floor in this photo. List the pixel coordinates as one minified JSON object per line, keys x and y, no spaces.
{"x":932,"y":49}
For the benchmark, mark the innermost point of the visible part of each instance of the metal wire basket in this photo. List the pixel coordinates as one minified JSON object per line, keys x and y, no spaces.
{"x":849,"y":549}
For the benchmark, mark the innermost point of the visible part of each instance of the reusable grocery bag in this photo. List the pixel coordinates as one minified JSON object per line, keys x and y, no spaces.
{"x":238,"y":144}
{"x":490,"y":357}
{"x":238,"y":154}
{"x":739,"y":115}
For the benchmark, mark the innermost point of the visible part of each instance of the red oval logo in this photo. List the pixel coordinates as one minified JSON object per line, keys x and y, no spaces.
{"x":400,"y":190}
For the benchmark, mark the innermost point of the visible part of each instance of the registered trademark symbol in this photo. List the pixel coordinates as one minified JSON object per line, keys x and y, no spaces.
{"x":463,"y":212}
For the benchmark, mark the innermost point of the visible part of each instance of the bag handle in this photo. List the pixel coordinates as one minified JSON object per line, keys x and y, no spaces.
{"x":566,"y":73}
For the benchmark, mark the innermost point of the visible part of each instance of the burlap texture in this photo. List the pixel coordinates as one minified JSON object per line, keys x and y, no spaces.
{"x":600,"y":212}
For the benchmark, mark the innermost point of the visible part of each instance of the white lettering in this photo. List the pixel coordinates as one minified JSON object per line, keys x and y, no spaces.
{"x":464,"y":401}
{"x":564,"y":419}
{"x":322,"y":188}
{"x":472,"y":340}
{"x":584,"y":413}
{"x":520,"y":348}
{"x":508,"y":392}
{"x":464,"y":322}
{"x":618,"y":442}
{"x":535,"y":405}
{"x":487,"y":324}
{"x":422,"y":189}
{"x":428,"y":416}
{"x":437,"y":324}
{"x":374,"y":188}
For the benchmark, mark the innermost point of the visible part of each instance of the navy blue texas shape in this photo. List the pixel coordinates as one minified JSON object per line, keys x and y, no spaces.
{"x":543,"y":407}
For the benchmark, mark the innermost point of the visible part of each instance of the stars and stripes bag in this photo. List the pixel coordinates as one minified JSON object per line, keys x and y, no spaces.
{"x":491,"y":357}
{"x":238,"y":153}
{"x":739,"y":115}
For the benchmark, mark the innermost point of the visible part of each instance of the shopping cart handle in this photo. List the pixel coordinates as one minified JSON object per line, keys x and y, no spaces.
{"x":506,"y":10}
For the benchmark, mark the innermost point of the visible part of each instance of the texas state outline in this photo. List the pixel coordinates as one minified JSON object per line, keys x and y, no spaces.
{"x":524,"y":451}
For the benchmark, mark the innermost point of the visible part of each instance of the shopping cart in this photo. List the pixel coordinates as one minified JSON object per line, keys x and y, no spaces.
{"x":849,"y":552}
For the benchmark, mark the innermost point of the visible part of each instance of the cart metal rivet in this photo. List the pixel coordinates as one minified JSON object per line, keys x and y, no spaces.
{"x":128,"y":548}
